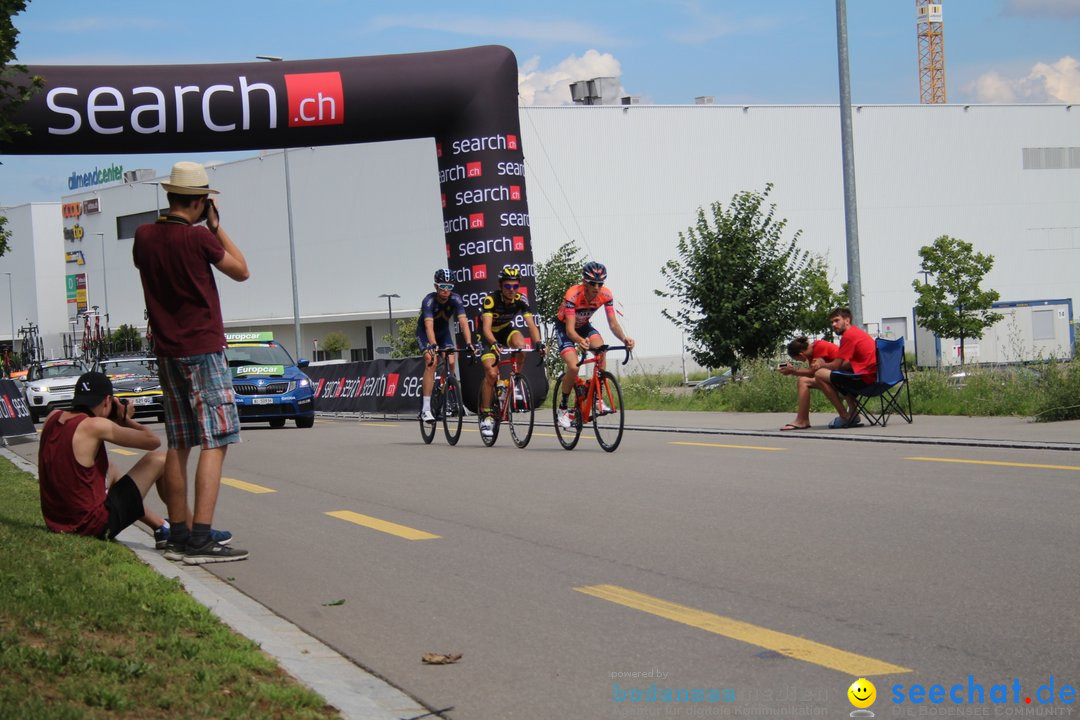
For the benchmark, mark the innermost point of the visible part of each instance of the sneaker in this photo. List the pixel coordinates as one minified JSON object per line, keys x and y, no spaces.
{"x":174,"y":551}
{"x":213,"y":552}
{"x":221,"y":537}
{"x":518,"y":395}
{"x":564,"y":419}
{"x":487,"y":427}
{"x":161,"y":538}
{"x":426,"y":416}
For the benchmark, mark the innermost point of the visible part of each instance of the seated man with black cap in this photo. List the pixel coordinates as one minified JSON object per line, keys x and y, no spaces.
{"x":81,"y":491}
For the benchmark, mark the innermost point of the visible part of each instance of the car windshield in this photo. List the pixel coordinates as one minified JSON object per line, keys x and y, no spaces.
{"x":55,"y":371}
{"x":257,"y":355}
{"x":135,"y":366}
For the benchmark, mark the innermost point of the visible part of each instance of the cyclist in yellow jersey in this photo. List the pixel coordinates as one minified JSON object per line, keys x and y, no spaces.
{"x":498,"y":312}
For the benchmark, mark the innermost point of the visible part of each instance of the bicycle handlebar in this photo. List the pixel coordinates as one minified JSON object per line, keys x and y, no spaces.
{"x":540,"y":352}
{"x":606,"y":348}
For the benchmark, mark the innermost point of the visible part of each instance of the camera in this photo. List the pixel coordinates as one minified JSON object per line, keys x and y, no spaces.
{"x":119,"y":409}
{"x":783,"y":365}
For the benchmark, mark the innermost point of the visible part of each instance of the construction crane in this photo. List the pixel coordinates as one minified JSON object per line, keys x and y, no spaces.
{"x":931,"y":33}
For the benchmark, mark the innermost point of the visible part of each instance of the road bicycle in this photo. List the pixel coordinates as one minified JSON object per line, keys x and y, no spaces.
{"x":446,"y":400}
{"x":513,"y":399}
{"x":597,"y":399}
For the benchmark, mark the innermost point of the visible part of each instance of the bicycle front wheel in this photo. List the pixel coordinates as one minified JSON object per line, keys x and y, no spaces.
{"x":568,"y":436}
{"x":453,"y":411}
{"x":493,"y":434}
{"x":520,"y":413}
{"x":608,"y":415}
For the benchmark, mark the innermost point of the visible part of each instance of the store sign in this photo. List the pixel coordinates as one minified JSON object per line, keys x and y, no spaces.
{"x":91,"y":206}
{"x":97,"y":176}
{"x":75,"y":256}
{"x":71,"y":210}
{"x":76,"y":294}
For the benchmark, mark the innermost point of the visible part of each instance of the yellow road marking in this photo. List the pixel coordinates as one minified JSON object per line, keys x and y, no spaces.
{"x":385,"y":526}
{"x":250,"y":487}
{"x":720,"y":445}
{"x":122,"y":451}
{"x":790,"y":645}
{"x":996,"y":462}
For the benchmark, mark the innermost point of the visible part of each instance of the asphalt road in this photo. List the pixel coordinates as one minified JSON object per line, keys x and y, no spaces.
{"x":775,"y":570}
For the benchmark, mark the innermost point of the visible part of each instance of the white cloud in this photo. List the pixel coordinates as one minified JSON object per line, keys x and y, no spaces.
{"x":567,"y":31}
{"x":551,"y":86}
{"x":1055,"y":82}
{"x":1055,"y":8}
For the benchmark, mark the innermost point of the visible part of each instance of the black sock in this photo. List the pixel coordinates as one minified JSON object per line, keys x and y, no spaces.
{"x":178,"y":532}
{"x":200,"y":534}
{"x":565,"y":398}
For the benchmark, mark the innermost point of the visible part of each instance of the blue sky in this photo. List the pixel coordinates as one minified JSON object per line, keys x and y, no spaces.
{"x":664,"y":51}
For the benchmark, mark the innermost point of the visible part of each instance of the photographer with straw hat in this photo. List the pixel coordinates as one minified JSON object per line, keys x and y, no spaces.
{"x":176,"y":257}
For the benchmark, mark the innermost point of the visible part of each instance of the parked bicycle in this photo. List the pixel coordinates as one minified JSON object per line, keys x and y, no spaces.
{"x":513,"y":400}
{"x":446,"y":400}
{"x":597,"y":399}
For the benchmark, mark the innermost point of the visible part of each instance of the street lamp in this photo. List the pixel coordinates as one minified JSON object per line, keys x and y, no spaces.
{"x":390,"y":311}
{"x":11,"y":306}
{"x":104,"y":277}
{"x":292,"y":240}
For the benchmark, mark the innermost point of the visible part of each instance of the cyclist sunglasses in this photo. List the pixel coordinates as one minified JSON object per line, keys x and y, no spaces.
{"x":594,"y":284}
{"x":445,"y":286}
{"x":511,"y":285}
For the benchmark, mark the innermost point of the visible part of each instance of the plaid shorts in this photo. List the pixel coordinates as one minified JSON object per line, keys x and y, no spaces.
{"x":200,"y":406}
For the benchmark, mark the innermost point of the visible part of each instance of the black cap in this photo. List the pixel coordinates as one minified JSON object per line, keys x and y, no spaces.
{"x":90,"y":389}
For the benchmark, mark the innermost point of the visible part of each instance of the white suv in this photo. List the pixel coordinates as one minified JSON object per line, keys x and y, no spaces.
{"x":50,"y":385}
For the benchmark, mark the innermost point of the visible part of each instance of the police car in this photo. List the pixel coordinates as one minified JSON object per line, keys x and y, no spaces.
{"x":269,"y":386}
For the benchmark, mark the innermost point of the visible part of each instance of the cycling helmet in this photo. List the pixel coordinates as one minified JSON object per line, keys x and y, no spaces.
{"x":509,"y":272}
{"x":594,"y":272}
{"x":442,"y":275}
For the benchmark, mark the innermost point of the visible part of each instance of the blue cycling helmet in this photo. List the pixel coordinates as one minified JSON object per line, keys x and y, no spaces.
{"x":594,"y":272}
{"x":442,"y":275}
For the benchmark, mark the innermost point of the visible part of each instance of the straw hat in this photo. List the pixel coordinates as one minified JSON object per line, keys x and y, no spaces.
{"x":188,"y":178}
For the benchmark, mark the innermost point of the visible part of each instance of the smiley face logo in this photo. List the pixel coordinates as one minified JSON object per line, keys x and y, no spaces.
{"x":862,"y":693}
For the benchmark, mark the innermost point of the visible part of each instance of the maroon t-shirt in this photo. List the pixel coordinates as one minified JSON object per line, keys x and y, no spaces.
{"x":72,"y":496}
{"x":176,"y":262}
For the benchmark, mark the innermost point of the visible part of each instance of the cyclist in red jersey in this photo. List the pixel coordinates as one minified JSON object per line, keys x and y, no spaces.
{"x":574,"y":328}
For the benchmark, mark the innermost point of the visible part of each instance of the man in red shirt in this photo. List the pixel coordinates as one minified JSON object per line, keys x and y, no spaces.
{"x":176,"y":257}
{"x":857,"y":354}
{"x":74,"y":469}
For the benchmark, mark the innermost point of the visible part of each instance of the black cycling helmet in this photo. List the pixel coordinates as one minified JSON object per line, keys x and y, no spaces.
{"x":594,"y":272}
{"x":442,"y":275}
{"x":509,"y":272}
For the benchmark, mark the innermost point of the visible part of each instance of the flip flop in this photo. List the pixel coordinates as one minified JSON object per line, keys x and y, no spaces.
{"x":854,"y":422}
{"x":793,"y":426}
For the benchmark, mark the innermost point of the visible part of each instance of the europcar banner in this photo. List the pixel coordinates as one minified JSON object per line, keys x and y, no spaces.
{"x":385,"y":386}
{"x":14,"y":414}
{"x":466,"y":100}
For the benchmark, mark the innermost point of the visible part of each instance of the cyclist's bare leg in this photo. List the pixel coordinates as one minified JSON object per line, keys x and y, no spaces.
{"x":491,"y":374}
{"x":596,"y":341}
{"x":428,"y":382}
{"x":570,"y":358}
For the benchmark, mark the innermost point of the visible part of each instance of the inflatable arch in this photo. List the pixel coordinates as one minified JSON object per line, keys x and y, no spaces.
{"x":465,"y":99}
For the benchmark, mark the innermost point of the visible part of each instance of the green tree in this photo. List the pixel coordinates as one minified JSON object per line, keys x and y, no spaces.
{"x":819,"y":298}
{"x":335,"y":342}
{"x":125,"y":338}
{"x":954,"y":306}
{"x":737,"y":281}
{"x":403,"y":342}
{"x":553,"y":277}
{"x":16,"y":87}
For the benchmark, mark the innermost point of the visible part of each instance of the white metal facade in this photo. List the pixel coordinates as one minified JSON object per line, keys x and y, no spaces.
{"x":624,"y":181}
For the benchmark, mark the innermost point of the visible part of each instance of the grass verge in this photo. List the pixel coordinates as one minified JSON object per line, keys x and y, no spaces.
{"x":89,"y":631}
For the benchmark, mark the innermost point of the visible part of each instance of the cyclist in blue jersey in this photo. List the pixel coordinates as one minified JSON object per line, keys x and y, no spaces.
{"x":434,"y":331}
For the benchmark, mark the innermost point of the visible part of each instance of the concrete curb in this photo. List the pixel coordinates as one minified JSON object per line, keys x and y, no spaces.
{"x":356,"y":693}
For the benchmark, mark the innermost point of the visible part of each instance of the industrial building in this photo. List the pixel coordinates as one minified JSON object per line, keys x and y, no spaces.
{"x":620,"y":181}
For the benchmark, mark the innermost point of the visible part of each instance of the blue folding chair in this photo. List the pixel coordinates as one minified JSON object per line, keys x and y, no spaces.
{"x":891,"y":389}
